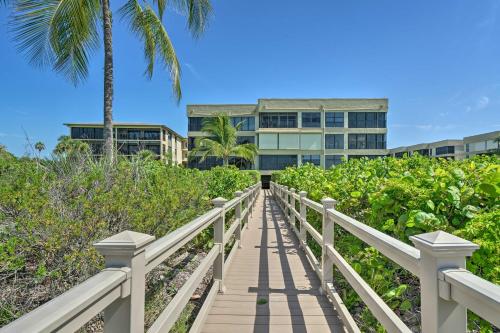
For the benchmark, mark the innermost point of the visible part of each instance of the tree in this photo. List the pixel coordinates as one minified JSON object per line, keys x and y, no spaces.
{"x":68,"y":146}
{"x":221,"y":141}
{"x":63,"y":33}
{"x":40,"y":146}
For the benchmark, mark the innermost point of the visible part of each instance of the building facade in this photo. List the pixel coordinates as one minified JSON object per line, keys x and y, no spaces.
{"x":294,"y":131}
{"x":486,"y":143}
{"x":445,"y":148}
{"x":130,"y":138}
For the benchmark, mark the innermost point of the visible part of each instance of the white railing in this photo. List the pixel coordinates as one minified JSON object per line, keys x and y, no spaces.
{"x":438,"y":260}
{"x":119,"y":289}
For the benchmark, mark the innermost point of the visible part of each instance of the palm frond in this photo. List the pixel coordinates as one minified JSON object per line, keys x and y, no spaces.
{"x":59,"y":33}
{"x":248,"y":151}
{"x":198,"y":13}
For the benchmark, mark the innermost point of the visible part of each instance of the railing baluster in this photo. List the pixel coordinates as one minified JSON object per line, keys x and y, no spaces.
{"x":237,"y":213}
{"x":126,"y":249}
{"x":247,"y":205}
{"x":328,"y":229}
{"x":303,"y":216}
{"x":292,"y":205}
{"x":218,"y":269}
{"x":285,"y":201}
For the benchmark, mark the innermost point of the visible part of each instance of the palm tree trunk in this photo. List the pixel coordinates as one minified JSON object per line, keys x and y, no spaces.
{"x":225,"y":161}
{"x":108,"y":81}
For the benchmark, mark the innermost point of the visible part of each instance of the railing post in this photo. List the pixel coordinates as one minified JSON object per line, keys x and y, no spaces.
{"x":237,"y":214}
{"x":285,"y":201}
{"x":218,"y":267}
{"x":303,"y":216}
{"x":247,"y":205}
{"x":440,"y":250}
{"x":327,"y":228}
{"x":126,"y":249}
{"x":292,"y":204}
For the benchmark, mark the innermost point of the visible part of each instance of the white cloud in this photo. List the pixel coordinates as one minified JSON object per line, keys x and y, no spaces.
{"x":193,"y":70}
{"x":482,"y":102}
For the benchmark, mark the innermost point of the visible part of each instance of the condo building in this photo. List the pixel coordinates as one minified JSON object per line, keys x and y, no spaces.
{"x":453,"y":149}
{"x":130,"y":138}
{"x":291,"y":132}
{"x":486,"y":143}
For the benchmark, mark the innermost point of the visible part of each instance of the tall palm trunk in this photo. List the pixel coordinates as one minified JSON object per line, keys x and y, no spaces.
{"x":108,"y":81}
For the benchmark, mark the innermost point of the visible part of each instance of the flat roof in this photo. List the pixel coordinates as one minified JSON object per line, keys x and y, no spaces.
{"x":482,"y":136}
{"x":126,"y":124}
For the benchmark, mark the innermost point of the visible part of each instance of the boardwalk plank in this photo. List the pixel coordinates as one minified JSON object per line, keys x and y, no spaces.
{"x":270,"y":270}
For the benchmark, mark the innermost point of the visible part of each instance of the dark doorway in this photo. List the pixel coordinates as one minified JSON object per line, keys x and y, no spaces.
{"x":266,"y":180}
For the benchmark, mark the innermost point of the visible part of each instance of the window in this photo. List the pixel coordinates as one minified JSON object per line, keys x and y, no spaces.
{"x":151,"y":135}
{"x":278,"y":120}
{"x":334,"y":119}
{"x":367,"y":141}
{"x":195,"y":123}
{"x":422,"y":152}
{"x":313,"y":159}
{"x":96,"y":148}
{"x":311,"y":119}
{"x":367,"y":120}
{"x":134,"y":134}
{"x":245,"y":139}
{"x":247,"y":123}
{"x":154,"y":148}
{"x":445,"y":150}
{"x":241,"y":163}
{"x":400,"y":154}
{"x":331,"y":160}
{"x":86,"y":133}
{"x":277,"y":162}
{"x":191,"y":142}
{"x":207,"y":164}
{"x":334,"y":141}
{"x":370,"y":157}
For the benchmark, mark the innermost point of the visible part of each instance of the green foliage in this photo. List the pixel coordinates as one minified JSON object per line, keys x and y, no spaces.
{"x":405,"y":197}
{"x":52,"y":211}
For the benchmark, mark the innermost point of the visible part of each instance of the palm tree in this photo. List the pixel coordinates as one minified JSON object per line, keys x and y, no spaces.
{"x":63,"y":33}
{"x":67,"y":145}
{"x":40,"y":146}
{"x":221,"y":141}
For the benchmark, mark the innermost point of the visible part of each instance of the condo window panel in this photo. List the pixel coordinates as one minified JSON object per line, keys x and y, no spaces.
{"x":86,"y":133}
{"x":268,"y":141}
{"x":367,"y":120}
{"x":152,"y":134}
{"x":278,"y":120}
{"x":332,"y":160}
{"x":334,"y":119}
{"x":370,"y":157}
{"x":399,"y":155}
{"x":247,"y":123}
{"x":381,"y":141}
{"x":289,"y":141}
{"x":334,"y":141}
{"x":241,"y":163}
{"x":367,"y":141}
{"x":191,"y":142}
{"x":207,"y":164}
{"x":445,"y":150}
{"x":310,"y":141}
{"x":134,"y":134}
{"x":154,"y":148}
{"x":371,"y":119}
{"x":277,"y":162}
{"x":96,"y":148}
{"x":313,"y":159}
{"x":381,"y":119}
{"x":133,"y":149}
{"x":195,"y":123}
{"x":245,"y":139}
{"x":311,"y":119}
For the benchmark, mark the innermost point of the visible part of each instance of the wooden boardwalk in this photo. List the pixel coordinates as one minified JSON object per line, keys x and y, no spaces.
{"x":270,"y":286}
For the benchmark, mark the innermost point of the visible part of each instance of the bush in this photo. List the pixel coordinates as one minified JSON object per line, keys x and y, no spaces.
{"x":52,"y":211}
{"x":405,"y":197}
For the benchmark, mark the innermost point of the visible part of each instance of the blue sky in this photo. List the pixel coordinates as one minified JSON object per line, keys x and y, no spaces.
{"x":438,"y":62}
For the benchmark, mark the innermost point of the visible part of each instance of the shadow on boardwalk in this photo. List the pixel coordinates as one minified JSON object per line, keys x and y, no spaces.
{"x":270,"y":286}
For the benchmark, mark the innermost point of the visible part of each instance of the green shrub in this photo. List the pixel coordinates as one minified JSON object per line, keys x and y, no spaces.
{"x":405,"y":197}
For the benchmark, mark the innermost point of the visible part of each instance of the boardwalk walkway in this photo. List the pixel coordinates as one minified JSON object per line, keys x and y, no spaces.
{"x":270,"y":286}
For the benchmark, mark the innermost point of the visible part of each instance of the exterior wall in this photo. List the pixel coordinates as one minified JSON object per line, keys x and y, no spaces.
{"x":163,"y":142}
{"x":486,"y":143}
{"x":299,"y":140}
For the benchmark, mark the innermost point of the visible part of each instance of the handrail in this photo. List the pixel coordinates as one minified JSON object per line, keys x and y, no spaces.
{"x":76,"y":306}
{"x":479,"y":295}
{"x":401,"y":253}
{"x":119,"y":289}
{"x":439,"y":268}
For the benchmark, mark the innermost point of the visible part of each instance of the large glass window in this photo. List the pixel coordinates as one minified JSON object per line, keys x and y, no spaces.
{"x":154,"y":148}
{"x":334,"y":141}
{"x":152,"y":134}
{"x":445,"y":150}
{"x":334,"y":119}
{"x":278,"y":120}
{"x":423,"y":152}
{"x":86,"y":133}
{"x":399,"y":154}
{"x":331,"y":160}
{"x":191,"y":142}
{"x":367,"y":120}
{"x":311,"y":119}
{"x":207,"y":164}
{"x":370,"y":157}
{"x":247,"y":123}
{"x":367,"y":141}
{"x":277,"y":162}
{"x":245,"y":139}
{"x":313,"y":159}
{"x":195,"y":123}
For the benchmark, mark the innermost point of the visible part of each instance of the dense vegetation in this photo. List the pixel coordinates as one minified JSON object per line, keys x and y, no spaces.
{"x":51,"y":211}
{"x":405,"y":197}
